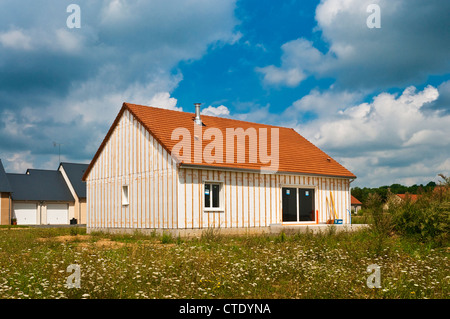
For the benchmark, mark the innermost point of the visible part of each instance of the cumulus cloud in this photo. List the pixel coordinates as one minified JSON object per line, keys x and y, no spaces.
{"x":68,"y":84}
{"x":387,"y":120}
{"x":405,"y":50}
{"x":299,"y":59}
{"x":392,"y":138}
{"x":321,"y":104}
{"x":387,"y":138}
{"x":19,"y":162}
{"x":164,"y":100}
{"x":15,"y":39}
{"x":221,"y":111}
{"x":442,"y":103}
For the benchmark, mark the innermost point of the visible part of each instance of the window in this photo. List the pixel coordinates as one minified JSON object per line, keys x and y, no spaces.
{"x":125,"y":195}
{"x":212,"y":195}
{"x":298,"y":204}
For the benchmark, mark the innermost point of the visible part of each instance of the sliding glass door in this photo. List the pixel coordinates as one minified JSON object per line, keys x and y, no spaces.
{"x":298,"y":204}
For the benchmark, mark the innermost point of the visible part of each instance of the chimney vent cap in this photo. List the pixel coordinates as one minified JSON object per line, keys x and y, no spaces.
{"x":197,"y":119}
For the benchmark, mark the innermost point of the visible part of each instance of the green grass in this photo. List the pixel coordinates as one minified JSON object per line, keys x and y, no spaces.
{"x":33,"y":263}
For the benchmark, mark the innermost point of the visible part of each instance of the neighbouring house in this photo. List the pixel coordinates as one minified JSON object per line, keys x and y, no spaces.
{"x":356,"y":204}
{"x":40,"y":197}
{"x":5,"y":197}
{"x":398,"y":198}
{"x":160,"y":169}
{"x":44,"y":197}
{"x":407,"y":196}
{"x":72,"y":174}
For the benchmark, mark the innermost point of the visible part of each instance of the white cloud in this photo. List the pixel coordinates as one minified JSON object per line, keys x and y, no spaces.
{"x":428,"y":136}
{"x":16,"y":39}
{"x":38,"y":40}
{"x":299,"y":59}
{"x":407,"y":48}
{"x":382,"y":141}
{"x":163,"y":100}
{"x":125,"y":51}
{"x":391,"y":119}
{"x":221,"y":111}
{"x":67,"y":41}
{"x":322,"y":103}
{"x":390,"y":139}
{"x":18,"y":162}
{"x":288,"y":77}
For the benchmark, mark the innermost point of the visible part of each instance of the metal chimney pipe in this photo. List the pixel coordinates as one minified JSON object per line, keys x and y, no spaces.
{"x":197,"y":119}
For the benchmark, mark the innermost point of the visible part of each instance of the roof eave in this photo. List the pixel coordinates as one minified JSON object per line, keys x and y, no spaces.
{"x":261,"y":171}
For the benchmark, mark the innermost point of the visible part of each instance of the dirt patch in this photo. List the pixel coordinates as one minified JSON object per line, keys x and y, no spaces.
{"x":84,"y":241}
{"x":66,"y":238}
{"x":102,"y":243}
{"x":89,"y":241}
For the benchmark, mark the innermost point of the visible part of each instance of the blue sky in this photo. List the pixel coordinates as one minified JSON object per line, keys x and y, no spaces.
{"x":376,"y":99}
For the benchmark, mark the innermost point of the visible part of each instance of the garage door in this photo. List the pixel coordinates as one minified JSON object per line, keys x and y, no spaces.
{"x":57,"y":214}
{"x":26,"y":214}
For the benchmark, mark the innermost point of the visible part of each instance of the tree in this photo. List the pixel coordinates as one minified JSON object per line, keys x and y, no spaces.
{"x":446,"y":179}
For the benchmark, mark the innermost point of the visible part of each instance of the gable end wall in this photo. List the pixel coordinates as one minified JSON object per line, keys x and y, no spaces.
{"x":134,"y":158}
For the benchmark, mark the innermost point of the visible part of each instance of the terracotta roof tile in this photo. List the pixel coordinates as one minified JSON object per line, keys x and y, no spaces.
{"x":412,"y":197}
{"x":355,"y":201}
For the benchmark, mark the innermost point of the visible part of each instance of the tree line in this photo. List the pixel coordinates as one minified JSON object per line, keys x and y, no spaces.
{"x":363,"y":193}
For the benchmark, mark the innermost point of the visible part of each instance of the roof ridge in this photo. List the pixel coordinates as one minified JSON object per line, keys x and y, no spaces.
{"x":210,"y":116}
{"x":74,"y":163}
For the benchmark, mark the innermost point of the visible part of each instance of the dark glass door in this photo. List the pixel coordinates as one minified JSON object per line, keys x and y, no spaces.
{"x":289,"y":200}
{"x":306,"y":204}
{"x":298,"y":204}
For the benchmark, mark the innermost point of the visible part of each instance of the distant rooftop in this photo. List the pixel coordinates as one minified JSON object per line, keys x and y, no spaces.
{"x":75,"y":173}
{"x":355,"y":201}
{"x":412,"y":197}
{"x":39,"y":185}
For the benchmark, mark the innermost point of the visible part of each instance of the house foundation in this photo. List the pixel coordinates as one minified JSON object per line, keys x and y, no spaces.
{"x":217,"y":231}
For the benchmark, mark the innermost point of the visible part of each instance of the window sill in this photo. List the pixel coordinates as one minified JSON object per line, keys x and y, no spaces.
{"x":213,"y":210}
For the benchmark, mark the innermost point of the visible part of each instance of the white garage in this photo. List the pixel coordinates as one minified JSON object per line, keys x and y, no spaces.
{"x":57,"y":214}
{"x":26,"y":213}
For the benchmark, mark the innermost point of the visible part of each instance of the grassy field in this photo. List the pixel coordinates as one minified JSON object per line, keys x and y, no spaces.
{"x":34,"y":261}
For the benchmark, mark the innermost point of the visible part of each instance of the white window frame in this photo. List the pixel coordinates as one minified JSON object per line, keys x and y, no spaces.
{"x":221,"y":204}
{"x":125,"y":195}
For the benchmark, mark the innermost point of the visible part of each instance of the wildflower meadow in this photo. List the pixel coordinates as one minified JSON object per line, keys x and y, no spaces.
{"x":34,"y":265}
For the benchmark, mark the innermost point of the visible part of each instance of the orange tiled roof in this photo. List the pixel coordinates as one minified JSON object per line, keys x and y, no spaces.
{"x":412,"y":197}
{"x":296,"y":154}
{"x":355,"y":201}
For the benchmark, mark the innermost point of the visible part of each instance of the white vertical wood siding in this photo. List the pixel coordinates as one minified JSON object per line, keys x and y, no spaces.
{"x":252,"y":199}
{"x":132,"y":157}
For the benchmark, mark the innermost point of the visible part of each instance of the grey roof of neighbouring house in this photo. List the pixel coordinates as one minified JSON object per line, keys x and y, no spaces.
{"x":74,"y":172}
{"x":39,"y":185}
{"x":5,"y":187}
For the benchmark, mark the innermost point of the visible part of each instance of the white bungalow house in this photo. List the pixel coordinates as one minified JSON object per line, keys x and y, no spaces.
{"x":160,"y":169}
